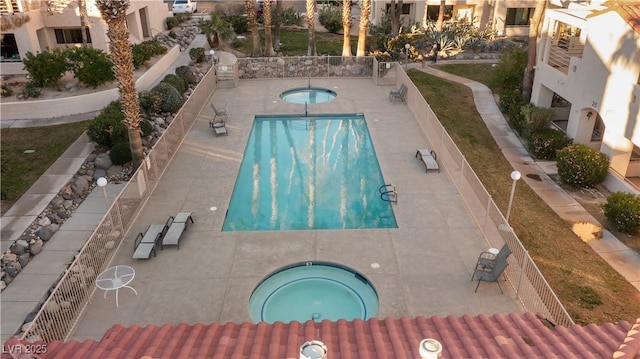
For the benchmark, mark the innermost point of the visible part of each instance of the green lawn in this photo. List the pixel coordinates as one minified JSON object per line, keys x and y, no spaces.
{"x":294,"y":42}
{"x":19,"y":170}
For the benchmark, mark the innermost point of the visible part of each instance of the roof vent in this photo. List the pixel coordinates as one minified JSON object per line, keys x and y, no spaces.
{"x":313,"y":349}
{"x":430,"y":349}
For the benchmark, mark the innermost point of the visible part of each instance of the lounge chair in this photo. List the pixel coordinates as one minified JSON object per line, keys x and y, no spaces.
{"x":429,"y":159}
{"x":146,"y":243}
{"x":176,"y":225}
{"x":219,"y":127}
{"x":221,"y":113}
{"x":398,"y":93}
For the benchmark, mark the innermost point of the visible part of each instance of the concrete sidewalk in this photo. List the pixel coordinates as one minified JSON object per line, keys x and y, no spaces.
{"x":623,"y":259}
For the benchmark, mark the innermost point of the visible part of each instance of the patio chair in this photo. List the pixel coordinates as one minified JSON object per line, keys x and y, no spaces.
{"x":222,"y":113}
{"x":490,"y":274}
{"x":429,"y":159}
{"x":490,"y":266}
{"x":487,"y":260}
{"x":398,"y":94}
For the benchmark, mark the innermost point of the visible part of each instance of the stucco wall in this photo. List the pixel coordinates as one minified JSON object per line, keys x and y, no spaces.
{"x":25,"y":110}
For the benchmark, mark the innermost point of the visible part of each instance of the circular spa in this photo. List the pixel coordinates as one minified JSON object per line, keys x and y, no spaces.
{"x":308,"y":95}
{"x":313,"y":290}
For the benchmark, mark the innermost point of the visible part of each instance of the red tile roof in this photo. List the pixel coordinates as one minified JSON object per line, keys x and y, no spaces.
{"x":629,"y":10}
{"x":516,"y":335}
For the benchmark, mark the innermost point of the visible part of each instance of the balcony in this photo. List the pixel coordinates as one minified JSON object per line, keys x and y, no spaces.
{"x":561,"y":52}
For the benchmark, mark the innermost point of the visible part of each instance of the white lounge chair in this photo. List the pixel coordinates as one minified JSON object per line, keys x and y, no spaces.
{"x":429,"y":159}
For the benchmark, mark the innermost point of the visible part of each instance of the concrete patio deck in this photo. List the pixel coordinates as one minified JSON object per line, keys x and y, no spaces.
{"x":423,"y":267}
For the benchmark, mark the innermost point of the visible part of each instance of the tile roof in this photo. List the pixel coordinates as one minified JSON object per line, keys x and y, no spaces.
{"x":629,"y":10}
{"x":516,"y":335}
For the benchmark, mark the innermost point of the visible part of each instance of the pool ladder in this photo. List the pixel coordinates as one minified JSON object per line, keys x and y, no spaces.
{"x":388,"y":193}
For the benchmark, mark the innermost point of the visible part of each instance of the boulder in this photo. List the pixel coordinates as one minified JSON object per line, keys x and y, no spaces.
{"x":80,"y":185}
{"x":103,"y":161}
{"x":36,"y":247}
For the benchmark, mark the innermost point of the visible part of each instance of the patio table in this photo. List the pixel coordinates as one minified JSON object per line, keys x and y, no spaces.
{"x":114,"y":278}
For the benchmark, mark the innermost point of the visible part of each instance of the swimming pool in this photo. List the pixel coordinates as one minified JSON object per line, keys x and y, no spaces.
{"x":308,"y":173}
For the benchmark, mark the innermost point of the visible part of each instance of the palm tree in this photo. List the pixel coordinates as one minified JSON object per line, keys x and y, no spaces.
{"x":276,"y":24}
{"x":253,"y":24}
{"x":365,"y":11}
{"x":346,"y":27}
{"x":216,"y":29}
{"x":268,"y":41}
{"x":82,"y":9}
{"x":311,"y":26}
{"x":534,"y":29}
{"x":440,"y":15}
{"x":114,"y":13}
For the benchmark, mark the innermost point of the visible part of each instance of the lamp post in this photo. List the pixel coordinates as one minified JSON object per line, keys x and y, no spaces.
{"x":102,"y":183}
{"x":213,"y":59}
{"x":406,"y":55}
{"x":515,"y":176}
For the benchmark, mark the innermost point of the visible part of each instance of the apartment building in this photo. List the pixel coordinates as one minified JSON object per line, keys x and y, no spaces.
{"x":507,"y":17}
{"x":34,"y":26}
{"x":588,"y":70}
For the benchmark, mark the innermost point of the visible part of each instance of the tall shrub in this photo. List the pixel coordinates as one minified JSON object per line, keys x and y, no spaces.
{"x":545,"y":143}
{"x":91,"y":66}
{"x":47,"y":67}
{"x":581,"y":166}
{"x":510,"y":71}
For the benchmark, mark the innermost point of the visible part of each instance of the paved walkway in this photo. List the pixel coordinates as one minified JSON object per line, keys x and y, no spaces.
{"x":20,"y":298}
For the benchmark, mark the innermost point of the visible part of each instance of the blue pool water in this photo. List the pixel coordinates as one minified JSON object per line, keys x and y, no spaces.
{"x":308,"y":95}
{"x":308,"y":173}
{"x":315,"y":291}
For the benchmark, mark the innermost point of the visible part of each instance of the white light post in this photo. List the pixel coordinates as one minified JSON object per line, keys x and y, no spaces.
{"x":406,"y":55}
{"x":102,"y":182}
{"x":515,"y":176}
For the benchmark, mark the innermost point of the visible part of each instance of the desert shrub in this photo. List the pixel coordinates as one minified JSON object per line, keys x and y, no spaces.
{"x":510,"y":71}
{"x":31,"y":89}
{"x":173,"y":35}
{"x":176,"y":81}
{"x":146,"y":127}
{"x":197,"y":54}
{"x":91,"y":66}
{"x":291,"y":17}
{"x":108,"y":127}
{"x":172,"y":22}
{"x":144,"y":51}
{"x":331,"y":18}
{"x":47,"y":67}
{"x":150,"y":102}
{"x":5,"y":90}
{"x":171,"y":98}
{"x":185,"y":72}
{"x":581,"y":166}
{"x":544,"y":143}
{"x":622,"y":210}
{"x":239,"y":23}
{"x":120,"y":153}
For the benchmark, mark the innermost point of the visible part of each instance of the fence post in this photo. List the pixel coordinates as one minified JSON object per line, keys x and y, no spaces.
{"x":522,"y":269}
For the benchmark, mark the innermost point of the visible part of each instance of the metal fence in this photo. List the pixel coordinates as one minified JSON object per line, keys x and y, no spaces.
{"x":59,"y":313}
{"x":305,"y":66}
{"x":531,"y":289}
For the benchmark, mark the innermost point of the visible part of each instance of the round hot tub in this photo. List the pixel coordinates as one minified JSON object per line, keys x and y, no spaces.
{"x":313,"y":290}
{"x":308,"y":95}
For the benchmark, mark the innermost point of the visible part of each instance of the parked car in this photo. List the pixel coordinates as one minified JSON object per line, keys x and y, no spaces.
{"x":180,"y":6}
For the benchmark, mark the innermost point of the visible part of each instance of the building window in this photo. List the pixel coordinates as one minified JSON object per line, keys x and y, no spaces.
{"x":519,"y":16}
{"x":70,"y":36}
{"x":433,"y":10}
{"x":9,"y":50}
{"x":406,"y":9}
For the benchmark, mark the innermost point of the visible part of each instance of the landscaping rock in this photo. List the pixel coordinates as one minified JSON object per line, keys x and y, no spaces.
{"x":45,"y":233}
{"x":80,"y":185}
{"x":36,"y":247}
{"x":103,"y":161}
